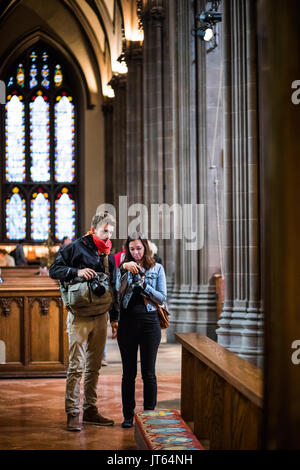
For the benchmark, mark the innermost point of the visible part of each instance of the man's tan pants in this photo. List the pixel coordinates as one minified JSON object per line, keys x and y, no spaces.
{"x":87,"y":338}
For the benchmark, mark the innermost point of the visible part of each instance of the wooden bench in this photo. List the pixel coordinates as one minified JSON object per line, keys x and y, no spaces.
{"x":18,"y":271}
{"x":221,"y":394}
{"x":163,"y":430}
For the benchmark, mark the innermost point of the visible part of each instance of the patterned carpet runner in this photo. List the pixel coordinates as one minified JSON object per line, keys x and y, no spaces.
{"x":164,"y":430}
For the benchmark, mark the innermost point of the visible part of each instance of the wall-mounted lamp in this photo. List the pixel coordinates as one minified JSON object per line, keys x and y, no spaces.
{"x":206,"y":34}
{"x":207,"y":20}
{"x":210,"y":17}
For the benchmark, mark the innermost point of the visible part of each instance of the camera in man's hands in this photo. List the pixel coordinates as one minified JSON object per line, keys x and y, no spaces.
{"x":99,"y":284}
{"x":137,"y":283}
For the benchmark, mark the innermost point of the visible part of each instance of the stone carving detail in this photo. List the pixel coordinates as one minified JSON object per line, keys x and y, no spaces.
{"x":157,"y":13}
{"x":117,"y":82}
{"x":45,"y":302}
{"x":6,"y":304}
{"x":133,"y":52}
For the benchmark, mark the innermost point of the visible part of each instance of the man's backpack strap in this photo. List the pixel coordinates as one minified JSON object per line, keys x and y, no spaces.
{"x":106,"y":266}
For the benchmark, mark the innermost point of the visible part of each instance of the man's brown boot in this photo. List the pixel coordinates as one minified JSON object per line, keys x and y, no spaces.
{"x":92,"y":416}
{"x":73,"y":423}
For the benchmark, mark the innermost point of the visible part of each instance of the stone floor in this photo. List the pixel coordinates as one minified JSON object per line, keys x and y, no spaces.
{"x":32,"y":413}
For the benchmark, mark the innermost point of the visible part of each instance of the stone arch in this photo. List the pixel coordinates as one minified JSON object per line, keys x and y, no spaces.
{"x":22,"y":44}
{"x":61,"y":27}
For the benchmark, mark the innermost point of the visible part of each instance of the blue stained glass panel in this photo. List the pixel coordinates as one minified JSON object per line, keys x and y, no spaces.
{"x":64,"y":217}
{"x":64,"y":140}
{"x":15,"y":140}
{"x":39,"y":139}
{"x":15,"y":218}
{"x":33,"y":73}
{"x":40,"y":217}
{"x":45,"y":75}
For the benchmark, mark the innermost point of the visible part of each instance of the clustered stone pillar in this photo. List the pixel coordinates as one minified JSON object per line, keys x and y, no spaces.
{"x":240,"y":326}
{"x":134,"y":127}
{"x":119,"y":163}
{"x":159,"y":128}
{"x":154,"y":16}
{"x":193,"y":299}
{"x":107,"y":109}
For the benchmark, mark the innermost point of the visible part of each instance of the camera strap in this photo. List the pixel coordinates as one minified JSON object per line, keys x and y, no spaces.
{"x":106,"y":266}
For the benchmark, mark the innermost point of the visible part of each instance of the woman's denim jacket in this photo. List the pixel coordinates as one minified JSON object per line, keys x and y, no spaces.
{"x":155,"y":289}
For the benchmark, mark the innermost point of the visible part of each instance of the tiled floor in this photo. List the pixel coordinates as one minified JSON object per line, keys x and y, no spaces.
{"x":32,"y":410}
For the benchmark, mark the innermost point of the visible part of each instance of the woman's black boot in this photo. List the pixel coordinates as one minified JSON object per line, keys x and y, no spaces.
{"x":127,"y":423}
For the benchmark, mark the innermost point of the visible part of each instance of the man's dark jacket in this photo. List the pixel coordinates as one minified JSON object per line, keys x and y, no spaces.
{"x":80,"y":254}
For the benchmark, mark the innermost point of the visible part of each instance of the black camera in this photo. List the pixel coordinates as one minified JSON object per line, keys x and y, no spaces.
{"x":99,"y":284}
{"x":137,"y":283}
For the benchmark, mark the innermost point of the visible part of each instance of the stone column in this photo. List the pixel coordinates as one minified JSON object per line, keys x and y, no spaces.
{"x":153,"y":58}
{"x":134,"y":118}
{"x":240,"y":326}
{"x":160,"y":166}
{"x":107,"y":109}
{"x":193,"y":299}
{"x":119,"y":162}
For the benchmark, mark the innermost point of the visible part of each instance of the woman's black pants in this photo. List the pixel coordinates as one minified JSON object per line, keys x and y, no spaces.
{"x":144,"y":332}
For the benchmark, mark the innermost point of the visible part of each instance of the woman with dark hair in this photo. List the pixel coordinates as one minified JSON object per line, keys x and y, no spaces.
{"x":143,"y":280}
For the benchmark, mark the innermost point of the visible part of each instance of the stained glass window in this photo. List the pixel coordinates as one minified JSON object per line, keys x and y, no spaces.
{"x":64,"y":215}
{"x":33,"y":73}
{"x":20,"y":76}
{"x":45,"y":72}
{"x":40,"y":216}
{"x":15,"y":139}
{"x":39,"y":138}
{"x":58,"y":76}
{"x":39,"y":186}
{"x":64,"y":139}
{"x":16,"y":216}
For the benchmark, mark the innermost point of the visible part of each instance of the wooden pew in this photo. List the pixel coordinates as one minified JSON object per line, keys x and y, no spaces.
{"x":221,"y":394}
{"x":33,"y":340}
{"x":18,"y":271}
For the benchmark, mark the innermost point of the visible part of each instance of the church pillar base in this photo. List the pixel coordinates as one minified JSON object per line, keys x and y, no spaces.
{"x":192,"y":312}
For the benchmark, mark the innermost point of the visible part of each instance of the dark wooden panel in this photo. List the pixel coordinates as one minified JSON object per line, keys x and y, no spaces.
{"x":201,"y":401}
{"x":242,"y":422}
{"x":32,"y":325}
{"x":227,"y":403}
{"x":187,"y":385}
{"x":209,"y":406}
{"x":11,"y":328}
{"x":244,"y":376}
{"x":44,"y":330}
{"x":279,"y":72}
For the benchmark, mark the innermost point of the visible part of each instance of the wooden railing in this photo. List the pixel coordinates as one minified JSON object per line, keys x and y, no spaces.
{"x":221,"y":394}
{"x":220,"y":292}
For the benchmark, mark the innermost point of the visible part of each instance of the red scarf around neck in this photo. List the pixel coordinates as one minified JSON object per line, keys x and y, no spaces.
{"x":102,"y":245}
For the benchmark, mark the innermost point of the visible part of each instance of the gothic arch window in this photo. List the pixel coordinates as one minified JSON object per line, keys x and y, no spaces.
{"x":40,"y":161}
